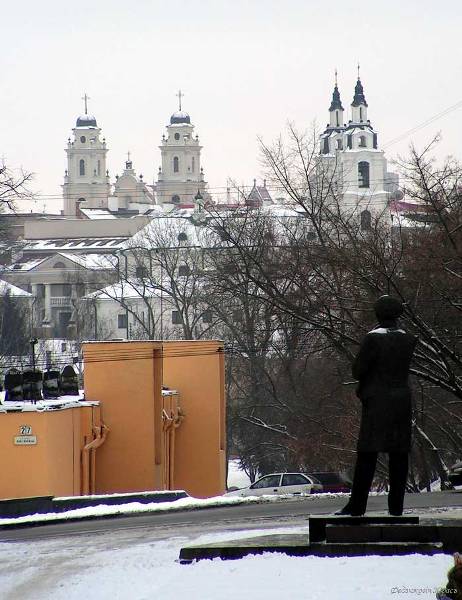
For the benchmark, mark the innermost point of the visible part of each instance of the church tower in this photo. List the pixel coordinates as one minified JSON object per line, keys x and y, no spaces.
{"x":180,"y":177}
{"x":351,"y":150}
{"x":86,"y":180}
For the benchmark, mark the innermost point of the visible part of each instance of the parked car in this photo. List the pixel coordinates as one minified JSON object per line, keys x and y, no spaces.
{"x":332,"y":482}
{"x":455,"y":474}
{"x":280,"y":483}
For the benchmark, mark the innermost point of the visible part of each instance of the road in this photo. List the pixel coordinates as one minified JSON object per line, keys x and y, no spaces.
{"x":286,"y":513}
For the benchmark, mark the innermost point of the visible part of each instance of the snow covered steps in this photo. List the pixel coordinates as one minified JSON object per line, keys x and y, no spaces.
{"x":360,"y":536}
{"x":342,"y":536}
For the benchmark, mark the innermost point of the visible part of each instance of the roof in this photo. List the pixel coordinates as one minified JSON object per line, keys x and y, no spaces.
{"x":180,"y":117}
{"x":74,"y":244}
{"x":11,"y":290}
{"x":133,"y":288}
{"x":86,"y":121}
{"x":97,"y":213}
{"x":336,"y":103}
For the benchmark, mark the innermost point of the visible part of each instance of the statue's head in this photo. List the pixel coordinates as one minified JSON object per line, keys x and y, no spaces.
{"x":388,"y":308}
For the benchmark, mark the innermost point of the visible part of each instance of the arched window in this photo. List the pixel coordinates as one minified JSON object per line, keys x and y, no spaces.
{"x":81,"y":167}
{"x":360,"y":113}
{"x":59,"y":265}
{"x":192,"y":164}
{"x":182,"y":237}
{"x":362,"y":141}
{"x":175,"y":199}
{"x":366,"y":220}
{"x":363,"y":174}
{"x":339,"y":145}
{"x":99,"y":167}
{"x":176,"y":164}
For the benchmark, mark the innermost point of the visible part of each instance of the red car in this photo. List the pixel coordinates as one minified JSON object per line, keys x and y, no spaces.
{"x":333,"y":482}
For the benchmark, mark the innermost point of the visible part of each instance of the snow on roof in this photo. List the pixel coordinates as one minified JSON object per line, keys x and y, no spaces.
{"x":60,"y":403}
{"x":100,"y":243}
{"x":27,"y":265}
{"x":132,"y":289}
{"x":97,"y":213}
{"x":12,"y":290}
{"x":92,"y":260}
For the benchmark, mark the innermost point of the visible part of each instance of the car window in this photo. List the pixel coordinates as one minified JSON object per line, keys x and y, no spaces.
{"x":294,"y":479}
{"x":264,"y":482}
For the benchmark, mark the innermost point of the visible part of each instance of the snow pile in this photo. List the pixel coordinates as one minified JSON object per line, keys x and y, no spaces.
{"x":113,"y":567}
{"x":137,"y":507}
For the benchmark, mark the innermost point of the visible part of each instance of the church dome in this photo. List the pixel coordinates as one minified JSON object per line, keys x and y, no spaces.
{"x":180,"y":117}
{"x":86,"y":121}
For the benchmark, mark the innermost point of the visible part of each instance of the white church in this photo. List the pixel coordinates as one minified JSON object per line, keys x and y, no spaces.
{"x":351,"y":149}
{"x":88,"y":191}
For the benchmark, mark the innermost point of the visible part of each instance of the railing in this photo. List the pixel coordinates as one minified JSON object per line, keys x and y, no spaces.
{"x":61,"y":301}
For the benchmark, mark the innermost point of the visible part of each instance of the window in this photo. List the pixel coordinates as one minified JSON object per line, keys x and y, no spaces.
{"x":362,"y":141}
{"x":266,"y":482}
{"x":339,"y":145}
{"x":366,"y":220}
{"x":63,"y":347}
{"x":192,"y":164}
{"x":81,"y":167}
{"x":141,"y":272}
{"x":326,"y":146}
{"x":83,"y":139}
{"x":175,"y":199}
{"x":207,"y":316}
{"x":59,"y":290}
{"x":294,"y":479}
{"x":360,"y":113}
{"x":176,"y":317}
{"x":122,"y":321}
{"x":99,"y":167}
{"x":363,"y":174}
{"x":177,"y":136}
{"x":336,"y":118}
{"x":182,"y":237}
{"x":176,"y":164}
{"x":59,"y":265}
{"x":350,"y":141}
{"x":184,"y":271}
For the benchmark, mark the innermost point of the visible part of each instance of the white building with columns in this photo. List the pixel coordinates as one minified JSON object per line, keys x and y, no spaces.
{"x":351,"y":149}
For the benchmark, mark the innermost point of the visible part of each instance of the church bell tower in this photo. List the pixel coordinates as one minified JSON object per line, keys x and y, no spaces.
{"x":86,"y":181}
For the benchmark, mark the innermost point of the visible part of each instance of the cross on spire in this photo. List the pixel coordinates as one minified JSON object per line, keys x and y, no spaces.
{"x":180,"y":95}
{"x":335,"y":77}
{"x":358,"y":70}
{"x":128,"y":156}
{"x":85,"y":98}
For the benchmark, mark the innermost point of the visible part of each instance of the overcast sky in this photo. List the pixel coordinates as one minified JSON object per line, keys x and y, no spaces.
{"x":245,"y":67}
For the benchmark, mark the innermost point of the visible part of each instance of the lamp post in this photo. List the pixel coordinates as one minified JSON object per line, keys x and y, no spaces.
{"x":33,"y":343}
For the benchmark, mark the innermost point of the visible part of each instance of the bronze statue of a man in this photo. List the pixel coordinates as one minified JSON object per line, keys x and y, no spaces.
{"x":382,"y":369}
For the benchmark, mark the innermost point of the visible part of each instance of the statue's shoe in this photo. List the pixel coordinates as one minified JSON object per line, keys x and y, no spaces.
{"x":346,"y":511}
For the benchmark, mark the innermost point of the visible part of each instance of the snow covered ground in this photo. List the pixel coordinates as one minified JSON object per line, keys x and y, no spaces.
{"x":114,"y":568}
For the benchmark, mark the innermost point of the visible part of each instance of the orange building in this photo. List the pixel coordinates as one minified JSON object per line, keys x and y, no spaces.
{"x":132,"y":434}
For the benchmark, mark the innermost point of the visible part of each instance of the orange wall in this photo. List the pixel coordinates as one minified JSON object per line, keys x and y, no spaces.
{"x":127,"y":378}
{"x":194,"y":368}
{"x":52,"y":466}
{"x":122,"y":376}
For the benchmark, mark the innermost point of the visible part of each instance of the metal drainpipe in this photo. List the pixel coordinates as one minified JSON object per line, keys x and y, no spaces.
{"x":101,"y":434}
